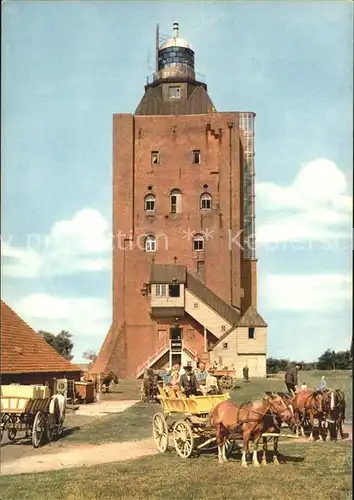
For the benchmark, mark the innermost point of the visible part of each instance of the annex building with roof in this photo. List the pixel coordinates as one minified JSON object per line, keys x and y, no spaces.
{"x":26,"y":358}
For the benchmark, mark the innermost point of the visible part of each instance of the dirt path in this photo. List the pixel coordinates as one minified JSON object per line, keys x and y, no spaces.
{"x":80,"y":455}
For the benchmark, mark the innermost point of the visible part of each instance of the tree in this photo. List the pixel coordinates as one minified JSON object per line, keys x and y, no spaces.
{"x":331,"y":360}
{"x":276,"y":365}
{"x":61,"y":342}
{"x":90,"y":356}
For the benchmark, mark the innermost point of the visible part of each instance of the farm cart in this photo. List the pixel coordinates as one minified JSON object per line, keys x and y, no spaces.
{"x":226,"y":380}
{"x":26,"y":408}
{"x":185,"y":420}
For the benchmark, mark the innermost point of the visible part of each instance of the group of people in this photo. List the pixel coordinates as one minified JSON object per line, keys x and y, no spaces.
{"x":192,"y":382}
{"x":291,"y":380}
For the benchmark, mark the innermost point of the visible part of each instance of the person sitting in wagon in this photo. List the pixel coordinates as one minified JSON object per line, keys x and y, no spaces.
{"x":201,"y":374}
{"x":175,"y":377}
{"x":211,"y":384}
{"x":188,"y":382}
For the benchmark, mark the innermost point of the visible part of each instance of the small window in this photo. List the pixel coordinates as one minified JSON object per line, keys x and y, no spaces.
{"x":224,"y":346}
{"x":155,"y":157}
{"x":198,"y":243}
{"x":173,"y":290}
{"x":223,"y":328}
{"x":196,"y":156}
{"x":175,"y":201}
{"x":174,"y":92}
{"x":150,"y":203}
{"x":150,"y":244}
{"x":160,"y":290}
{"x":205,"y":201}
{"x":196,"y":305}
{"x":251,"y":333}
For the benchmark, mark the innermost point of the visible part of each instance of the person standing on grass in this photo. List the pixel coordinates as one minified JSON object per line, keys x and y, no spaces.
{"x":291,"y":378}
{"x":323,"y":384}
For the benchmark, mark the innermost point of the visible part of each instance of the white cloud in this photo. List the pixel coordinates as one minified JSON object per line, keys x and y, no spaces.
{"x":326,"y":293}
{"x":80,"y":244}
{"x":84,"y":316}
{"x":315,"y":207}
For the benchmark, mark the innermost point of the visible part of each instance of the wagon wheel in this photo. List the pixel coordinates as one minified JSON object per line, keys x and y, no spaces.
{"x":39,"y":426}
{"x":160,"y":432}
{"x":226,"y":383}
{"x":183,"y":439}
{"x":11,"y":433}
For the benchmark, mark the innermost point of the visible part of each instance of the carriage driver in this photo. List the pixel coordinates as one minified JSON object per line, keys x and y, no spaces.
{"x":188,"y":382}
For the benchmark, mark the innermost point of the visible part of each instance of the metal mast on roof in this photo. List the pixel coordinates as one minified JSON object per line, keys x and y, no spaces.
{"x":157,"y":47}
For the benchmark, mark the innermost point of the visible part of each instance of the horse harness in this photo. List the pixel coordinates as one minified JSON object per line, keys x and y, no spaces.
{"x":247,"y":420}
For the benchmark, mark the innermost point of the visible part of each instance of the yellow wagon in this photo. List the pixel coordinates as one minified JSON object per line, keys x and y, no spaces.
{"x":185,"y":420}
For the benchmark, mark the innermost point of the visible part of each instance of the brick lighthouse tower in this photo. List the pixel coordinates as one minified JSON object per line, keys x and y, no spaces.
{"x":184,"y":264}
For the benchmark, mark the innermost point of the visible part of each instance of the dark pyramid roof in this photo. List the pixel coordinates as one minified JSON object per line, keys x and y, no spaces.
{"x":197,"y":102}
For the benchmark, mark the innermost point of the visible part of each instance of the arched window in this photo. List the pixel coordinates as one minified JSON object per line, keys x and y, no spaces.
{"x":149,"y":203}
{"x":205,"y":201}
{"x":150,"y":244}
{"x":175,"y":201}
{"x":198,"y":243}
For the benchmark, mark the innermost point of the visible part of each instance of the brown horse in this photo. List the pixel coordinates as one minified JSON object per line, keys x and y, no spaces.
{"x":107,"y":379}
{"x":308,"y":406}
{"x":334,"y":406}
{"x":270,"y":427}
{"x":250,"y":419}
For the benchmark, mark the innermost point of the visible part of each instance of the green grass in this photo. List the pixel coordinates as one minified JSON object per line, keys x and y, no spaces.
{"x":131,"y":425}
{"x":135,"y":422}
{"x":316,"y":471}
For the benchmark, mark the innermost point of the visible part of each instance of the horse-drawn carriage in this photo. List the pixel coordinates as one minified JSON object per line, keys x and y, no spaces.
{"x":31,"y":409}
{"x":185,"y":420}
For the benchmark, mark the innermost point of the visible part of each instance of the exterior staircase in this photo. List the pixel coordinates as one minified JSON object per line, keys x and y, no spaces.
{"x":208,"y":310}
{"x":153,"y":360}
{"x":212,"y":312}
{"x":161,"y":358}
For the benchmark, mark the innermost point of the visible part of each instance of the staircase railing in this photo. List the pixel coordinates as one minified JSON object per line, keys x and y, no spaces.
{"x":151,"y":359}
{"x":191,"y":351}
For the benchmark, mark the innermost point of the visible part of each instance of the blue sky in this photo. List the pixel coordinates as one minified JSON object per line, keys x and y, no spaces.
{"x":68,"y":66}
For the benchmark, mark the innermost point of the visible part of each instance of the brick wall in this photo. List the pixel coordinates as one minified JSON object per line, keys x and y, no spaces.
{"x":175,"y":137}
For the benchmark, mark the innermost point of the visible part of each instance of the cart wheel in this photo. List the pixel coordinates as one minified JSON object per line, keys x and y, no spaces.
{"x":160,"y":432}
{"x":11,"y":434}
{"x":39,"y":426}
{"x":226,"y":383}
{"x":183,"y":439}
